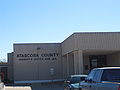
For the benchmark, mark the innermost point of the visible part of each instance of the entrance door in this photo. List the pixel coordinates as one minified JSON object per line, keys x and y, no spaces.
{"x":97,"y":61}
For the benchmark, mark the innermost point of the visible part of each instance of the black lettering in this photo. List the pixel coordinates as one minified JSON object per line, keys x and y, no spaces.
{"x":47,"y":58}
{"x":27,"y":55}
{"x":38,"y":58}
{"x":18,"y":55}
{"x":57,"y":54}
{"x":54,"y":58}
{"x":21,"y":55}
{"x":50,"y":54}
{"x":25,"y":59}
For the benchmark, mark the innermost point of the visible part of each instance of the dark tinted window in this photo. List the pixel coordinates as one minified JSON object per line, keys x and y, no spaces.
{"x":112,"y":75}
{"x":75,"y":79}
{"x":82,"y":78}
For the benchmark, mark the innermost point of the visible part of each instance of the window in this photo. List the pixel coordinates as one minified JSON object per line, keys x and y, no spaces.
{"x":112,"y":75}
{"x":91,"y":75}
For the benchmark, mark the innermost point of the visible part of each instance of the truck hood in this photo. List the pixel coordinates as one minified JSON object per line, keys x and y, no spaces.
{"x":75,"y":85}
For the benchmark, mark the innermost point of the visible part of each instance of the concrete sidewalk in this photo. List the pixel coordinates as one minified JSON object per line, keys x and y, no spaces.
{"x":18,"y":88}
{"x":37,"y":86}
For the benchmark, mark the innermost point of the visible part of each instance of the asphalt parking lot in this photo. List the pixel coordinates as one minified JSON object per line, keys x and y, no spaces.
{"x":38,"y":86}
{"x":49,"y":86}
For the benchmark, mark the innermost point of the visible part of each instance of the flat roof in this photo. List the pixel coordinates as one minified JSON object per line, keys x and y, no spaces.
{"x":94,"y":32}
{"x":108,"y":68}
{"x":33,"y":43}
{"x":89,"y":33}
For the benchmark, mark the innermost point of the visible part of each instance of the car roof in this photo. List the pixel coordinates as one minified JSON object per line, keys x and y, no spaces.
{"x":78,"y":75}
{"x":108,"y":68}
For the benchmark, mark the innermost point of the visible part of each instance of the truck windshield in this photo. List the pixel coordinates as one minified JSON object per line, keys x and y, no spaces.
{"x":75,"y":79}
{"x":112,"y":75}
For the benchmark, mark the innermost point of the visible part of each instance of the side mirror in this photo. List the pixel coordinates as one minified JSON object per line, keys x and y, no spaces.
{"x":88,"y":80}
{"x":67,"y":81}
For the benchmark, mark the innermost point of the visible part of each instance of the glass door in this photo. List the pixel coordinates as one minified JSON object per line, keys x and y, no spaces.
{"x":97,"y":61}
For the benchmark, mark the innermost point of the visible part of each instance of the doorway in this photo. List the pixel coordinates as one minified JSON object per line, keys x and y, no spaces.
{"x":97,"y":61}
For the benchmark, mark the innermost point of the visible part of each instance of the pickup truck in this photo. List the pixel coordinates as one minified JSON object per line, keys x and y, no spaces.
{"x":107,"y":78}
{"x":72,"y":82}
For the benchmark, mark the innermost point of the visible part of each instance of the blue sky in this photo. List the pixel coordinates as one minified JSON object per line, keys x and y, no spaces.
{"x":49,"y":21}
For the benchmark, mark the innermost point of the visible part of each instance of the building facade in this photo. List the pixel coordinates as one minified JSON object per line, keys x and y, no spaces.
{"x":4,"y":72}
{"x":77,"y":54}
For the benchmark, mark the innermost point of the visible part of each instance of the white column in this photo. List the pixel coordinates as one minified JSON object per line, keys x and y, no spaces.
{"x":67,"y":65}
{"x":64,"y":59}
{"x":75,"y":62}
{"x":78,"y":62}
{"x":80,"y":58}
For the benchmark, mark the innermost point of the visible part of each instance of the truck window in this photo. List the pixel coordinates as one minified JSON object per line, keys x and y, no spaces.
{"x":112,"y":75}
{"x":91,"y":75}
{"x":97,"y":75}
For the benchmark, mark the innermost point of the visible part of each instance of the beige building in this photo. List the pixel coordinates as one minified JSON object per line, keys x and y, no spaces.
{"x":78,"y":54}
